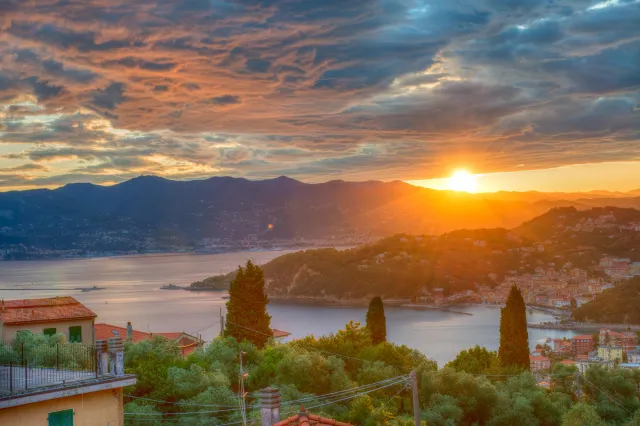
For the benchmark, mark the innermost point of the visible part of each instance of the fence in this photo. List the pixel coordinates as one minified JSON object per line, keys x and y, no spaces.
{"x":27,"y":365}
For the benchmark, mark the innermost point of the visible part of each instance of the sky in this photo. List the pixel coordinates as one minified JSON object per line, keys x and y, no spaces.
{"x":529,"y":94}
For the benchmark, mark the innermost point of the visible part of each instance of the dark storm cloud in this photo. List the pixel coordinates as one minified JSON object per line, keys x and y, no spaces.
{"x":344,"y":88}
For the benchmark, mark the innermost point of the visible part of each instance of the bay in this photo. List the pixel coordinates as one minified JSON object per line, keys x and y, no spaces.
{"x":132,"y":293}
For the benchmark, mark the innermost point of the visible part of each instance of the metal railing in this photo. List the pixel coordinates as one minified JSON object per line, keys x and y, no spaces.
{"x":27,"y":365}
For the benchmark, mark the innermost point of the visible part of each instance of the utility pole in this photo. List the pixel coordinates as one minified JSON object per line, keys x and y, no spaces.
{"x":242,"y":394}
{"x":221,"y":323}
{"x":578,"y":390}
{"x":416,"y":397}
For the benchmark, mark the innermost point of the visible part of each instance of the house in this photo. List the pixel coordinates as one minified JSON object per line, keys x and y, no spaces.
{"x":626,"y":340}
{"x":610,"y":353}
{"x":53,"y":315}
{"x":73,"y":388}
{"x":581,"y":344}
{"x":186,"y":342}
{"x":279,"y":334}
{"x":584,"y":364}
{"x":270,"y":413}
{"x":539,"y":363}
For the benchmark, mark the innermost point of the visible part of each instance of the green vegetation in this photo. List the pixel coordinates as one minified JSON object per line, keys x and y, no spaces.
{"x":514,"y":337}
{"x":218,"y":282}
{"x":466,"y":392}
{"x":247,"y":317}
{"x":376,"y":321}
{"x":616,"y":305}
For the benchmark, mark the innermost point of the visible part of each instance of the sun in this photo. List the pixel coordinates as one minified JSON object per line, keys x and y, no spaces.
{"x":462,"y":180}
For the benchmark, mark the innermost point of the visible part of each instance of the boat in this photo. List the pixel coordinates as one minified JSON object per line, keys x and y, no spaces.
{"x":85,"y":289}
{"x":171,"y":287}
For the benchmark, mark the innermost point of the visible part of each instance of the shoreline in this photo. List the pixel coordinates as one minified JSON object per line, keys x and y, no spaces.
{"x":584,"y":326}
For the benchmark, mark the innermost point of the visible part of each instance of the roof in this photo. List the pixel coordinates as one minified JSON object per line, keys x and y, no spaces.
{"x":305,"y":419}
{"x":279,"y":333}
{"x":186,"y":342}
{"x":567,"y":362}
{"x":538,"y":358}
{"x":49,"y":309}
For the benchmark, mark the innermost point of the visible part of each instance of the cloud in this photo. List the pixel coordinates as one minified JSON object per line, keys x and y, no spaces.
{"x":394,"y":89}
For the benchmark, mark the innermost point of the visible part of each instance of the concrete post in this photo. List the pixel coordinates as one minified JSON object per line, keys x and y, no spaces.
{"x":103,"y":357}
{"x":129,"y":332}
{"x":269,"y":406}
{"x":116,"y":355}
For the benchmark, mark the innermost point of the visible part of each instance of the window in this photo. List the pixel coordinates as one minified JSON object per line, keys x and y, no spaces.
{"x":61,"y":418}
{"x":75,"y":334}
{"x":49,"y":331}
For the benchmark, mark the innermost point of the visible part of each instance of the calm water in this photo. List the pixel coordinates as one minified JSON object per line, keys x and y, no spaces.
{"x":132,"y":294}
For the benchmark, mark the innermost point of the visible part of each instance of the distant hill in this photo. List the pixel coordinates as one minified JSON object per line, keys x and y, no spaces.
{"x":617,"y":305}
{"x":154,"y":213}
{"x":407,"y":266}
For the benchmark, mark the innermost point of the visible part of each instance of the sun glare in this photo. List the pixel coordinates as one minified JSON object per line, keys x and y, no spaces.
{"x":462,"y":180}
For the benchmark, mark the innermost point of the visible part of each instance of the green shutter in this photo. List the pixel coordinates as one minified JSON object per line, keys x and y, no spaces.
{"x":75,"y":334}
{"x":49,"y":331}
{"x":61,"y":418}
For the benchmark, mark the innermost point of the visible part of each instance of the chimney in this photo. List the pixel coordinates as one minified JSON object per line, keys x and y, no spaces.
{"x":129,"y":332}
{"x":116,"y":356}
{"x":269,"y":406}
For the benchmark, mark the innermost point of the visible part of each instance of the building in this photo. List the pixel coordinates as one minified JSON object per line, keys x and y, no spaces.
{"x":54,"y":315}
{"x":83,"y":392}
{"x":270,"y":413}
{"x":584,"y":364}
{"x":627,"y":340}
{"x":279,"y":334}
{"x":610,"y":353}
{"x":186,"y":342}
{"x":581,"y":344}
{"x":539,"y":363}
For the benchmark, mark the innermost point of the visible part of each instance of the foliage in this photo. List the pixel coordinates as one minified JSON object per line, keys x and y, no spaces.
{"x":514,"y":337}
{"x":476,"y":360}
{"x":616,"y":305}
{"x":582,"y":414}
{"x":247,"y":317}
{"x":376,"y":321}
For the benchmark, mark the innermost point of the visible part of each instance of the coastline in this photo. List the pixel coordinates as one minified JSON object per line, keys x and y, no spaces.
{"x":585,"y":326}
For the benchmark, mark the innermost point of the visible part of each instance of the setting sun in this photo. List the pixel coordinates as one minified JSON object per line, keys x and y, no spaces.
{"x":462,"y":180}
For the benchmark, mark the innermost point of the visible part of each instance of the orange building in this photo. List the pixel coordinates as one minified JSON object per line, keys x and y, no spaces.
{"x":186,"y":342}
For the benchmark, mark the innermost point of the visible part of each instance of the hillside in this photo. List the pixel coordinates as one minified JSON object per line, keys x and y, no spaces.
{"x":406,"y":266}
{"x":155,"y":214}
{"x":617,"y":305}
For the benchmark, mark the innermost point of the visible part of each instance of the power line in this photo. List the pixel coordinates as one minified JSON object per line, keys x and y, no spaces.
{"x":607,"y":395}
{"x":382,"y":406}
{"x":180,"y":403}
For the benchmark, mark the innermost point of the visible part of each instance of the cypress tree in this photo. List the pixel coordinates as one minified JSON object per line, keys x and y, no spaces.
{"x":376,"y":321}
{"x":514,"y":337}
{"x":247,"y":316}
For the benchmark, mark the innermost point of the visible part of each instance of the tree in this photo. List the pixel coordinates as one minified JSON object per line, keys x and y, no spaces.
{"x":247,"y":317}
{"x":476,"y":360}
{"x":582,"y":415}
{"x":376,"y":321}
{"x":514,"y":338}
{"x":573,"y":304}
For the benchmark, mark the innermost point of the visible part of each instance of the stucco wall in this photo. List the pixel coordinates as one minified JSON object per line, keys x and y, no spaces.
{"x":102,"y":408}
{"x":9,"y":330}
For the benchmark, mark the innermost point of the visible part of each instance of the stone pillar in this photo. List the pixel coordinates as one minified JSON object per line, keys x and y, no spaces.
{"x":129,"y":332}
{"x":269,"y":406}
{"x":116,"y":355}
{"x":103,"y":357}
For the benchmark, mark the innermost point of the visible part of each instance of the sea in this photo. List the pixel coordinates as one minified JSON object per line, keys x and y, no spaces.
{"x":132,"y":292}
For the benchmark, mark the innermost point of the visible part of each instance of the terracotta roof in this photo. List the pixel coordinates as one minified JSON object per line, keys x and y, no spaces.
{"x":567,"y":362}
{"x":305,"y":419}
{"x":279,"y":333}
{"x":185,"y":341}
{"x":50,"y":309}
{"x":538,"y":358}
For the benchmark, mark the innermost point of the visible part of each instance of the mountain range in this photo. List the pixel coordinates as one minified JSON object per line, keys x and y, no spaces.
{"x":150,"y":211}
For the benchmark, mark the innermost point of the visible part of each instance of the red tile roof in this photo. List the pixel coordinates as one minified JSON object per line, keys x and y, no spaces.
{"x":51,"y":309}
{"x":583,"y":336}
{"x":538,"y":358}
{"x":186,"y":342}
{"x":567,"y":362}
{"x":279,"y":333}
{"x":305,"y":419}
